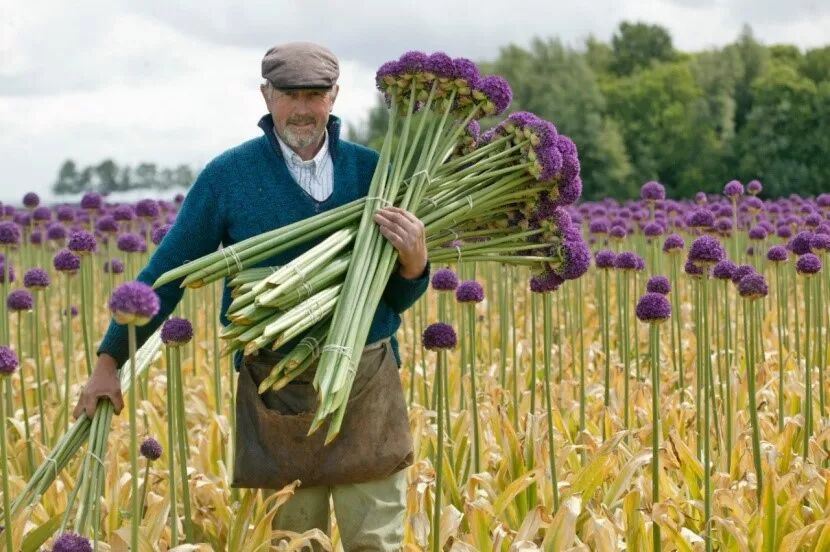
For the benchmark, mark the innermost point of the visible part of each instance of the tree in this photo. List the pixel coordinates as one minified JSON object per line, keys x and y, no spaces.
{"x":106,"y":175}
{"x":816,"y":64}
{"x":67,"y":182}
{"x":638,"y":45}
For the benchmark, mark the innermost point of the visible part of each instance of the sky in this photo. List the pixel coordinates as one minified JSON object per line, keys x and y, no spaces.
{"x":178,"y":82}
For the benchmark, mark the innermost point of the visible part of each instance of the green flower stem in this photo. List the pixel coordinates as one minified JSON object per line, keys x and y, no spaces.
{"x":626,"y":317}
{"x":698,"y":366}
{"x":4,"y":464}
{"x":214,"y":334}
{"x":547,"y":328}
{"x":706,"y":371}
{"x":135,"y":514}
{"x":34,"y":334}
{"x":728,"y":377}
{"x":677,"y":343}
{"x":808,"y":369}
{"x":171,"y":446}
{"x":181,"y":424}
{"x":30,"y":454}
{"x":86,"y":323}
{"x":654,"y":330}
{"x":779,"y":305}
{"x":606,"y":346}
{"x":471,"y":329}
{"x":751,"y":311}
{"x":440,"y":368}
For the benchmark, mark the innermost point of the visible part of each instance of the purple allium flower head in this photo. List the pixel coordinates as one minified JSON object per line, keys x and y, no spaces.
{"x":463,"y":69}
{"x":131,"y":243}
{"x":812,"y":220}
{"x":150,"y":449}
{"x":801,"y":244}
{"x":31,"y":200}
{"x":176,"y":331}
{"x":36,"y":237}
{"x":82,"y":242}
{"x":820,"y":242}
{"x":724,"y":270}
{"x":9,"y":233}
{"x":784,"y":232}
{"x":412,"y":61}
{"x":753,"y":204}
{"x":469,"y":291}
{"x":757,"y":233}
{"x":116,"y":264}
{"x":8,"y":361}
{"x":147,"y":208}
{"x":66,"y":261}
{"x":653,"y":230}
{"x":19,"y":300}
{"x":444,"y":279}
{"x":123,"y":212}
{"x":599,"y":226}
{"x":604,"y":259}
{"x":439,"y":64}
{"x":65,"y":213}
{"x":823,"y":228}
{"x":653,"y":308}
{"x":754,"y":187}
{"x":658,"y":284}
{"x":92,"y":201}
{"x":439,"y":336}
{"x":753,"y":286}
{"x":706,"y":250}
{"x":107,"y":225}
{"x":498,"y":93}
{"x":577,"y":259}
{"x":618,"y":232}
{"x":23,"y":218}
{"x":36,"y":278}
{"x":652,"y":191}
{"x":701,"y":218}
{"x":808,"y":264}
{"x":777,"y":254}
{"x":160,"y":232}
{"x":545,"y":282}
{"x":673,"y":244}
{"x":42,"y":214}
{"x":626,"y":261}
{"x":134,"y":303}
{"x":570,"y":190}
{"x":693,"y":269}
{"x":741,"y":271}
{"x":733,"y":189}
{"x":56,"y":231}
{"x":71,"y":542}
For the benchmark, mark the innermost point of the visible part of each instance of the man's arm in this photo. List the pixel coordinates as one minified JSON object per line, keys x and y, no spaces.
{"x":406,"y":233}
{"x":197,"y":231}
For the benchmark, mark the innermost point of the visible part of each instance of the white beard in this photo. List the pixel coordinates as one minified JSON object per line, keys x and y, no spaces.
{"x":300,"y":141}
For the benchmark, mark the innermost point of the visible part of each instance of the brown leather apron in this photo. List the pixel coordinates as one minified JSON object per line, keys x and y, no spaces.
{"x":272,"y":445}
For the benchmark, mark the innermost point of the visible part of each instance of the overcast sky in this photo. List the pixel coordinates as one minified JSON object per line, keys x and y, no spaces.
{"x":177,"y":82}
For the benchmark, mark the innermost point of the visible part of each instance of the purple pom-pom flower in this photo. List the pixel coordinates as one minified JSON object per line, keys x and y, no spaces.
{"x":92,"y":201}
{"x":658,"y":284}
{"x":444,"y":279}
{"x":134,"y":303}
{"x":733,"y":189}
{"x":808,"y":264}
{"x":9,"y":233}
{"x":673,"y":244}
{"x":71,"y":542}
{"x":753,"y":286}
{"x":66,"y":261}
{"x":8,"y":361}
{"x":777,"y":254}
{"x":36,"y":278}
{"x":706,"y":250}
{"x":652,"y":191}
{"x":604,"y":259}
{"x":469,"y":291}
{"x":176,"y":331}
{"x":653,"y":308}
{"x":439,"y":336}
{"x":724,"y":270}
{"x":150,"y":449}
{"x":81,"y":242}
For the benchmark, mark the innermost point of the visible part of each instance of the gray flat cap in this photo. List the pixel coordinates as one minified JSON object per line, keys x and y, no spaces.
{"x":300,"y":65}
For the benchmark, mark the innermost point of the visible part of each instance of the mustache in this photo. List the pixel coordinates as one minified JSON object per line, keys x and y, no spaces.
{"x":302,"y":121}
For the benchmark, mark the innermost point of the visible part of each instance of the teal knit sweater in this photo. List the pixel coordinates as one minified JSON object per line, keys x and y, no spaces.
{"x":245,"y":191}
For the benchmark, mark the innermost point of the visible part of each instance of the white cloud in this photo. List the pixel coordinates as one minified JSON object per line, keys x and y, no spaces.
{"x":178,"y":82}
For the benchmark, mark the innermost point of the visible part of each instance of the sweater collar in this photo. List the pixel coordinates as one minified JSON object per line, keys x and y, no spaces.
{"x":266,"y":123}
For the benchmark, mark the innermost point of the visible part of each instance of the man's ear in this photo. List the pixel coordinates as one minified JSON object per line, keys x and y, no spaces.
{"x":335,"y":89}
{"x":263,"y":88}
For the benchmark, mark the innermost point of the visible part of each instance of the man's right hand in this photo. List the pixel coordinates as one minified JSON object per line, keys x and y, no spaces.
{"x":103,"y":383}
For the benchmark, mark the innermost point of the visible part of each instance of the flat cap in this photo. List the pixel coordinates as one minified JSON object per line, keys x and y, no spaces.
{"x":300,"y":65}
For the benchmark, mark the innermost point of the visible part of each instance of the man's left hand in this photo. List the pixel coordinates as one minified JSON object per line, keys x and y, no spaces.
{"x":406,"y":234}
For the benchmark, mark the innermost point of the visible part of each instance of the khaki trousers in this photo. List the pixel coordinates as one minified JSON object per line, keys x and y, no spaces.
{"x":370,"y":516}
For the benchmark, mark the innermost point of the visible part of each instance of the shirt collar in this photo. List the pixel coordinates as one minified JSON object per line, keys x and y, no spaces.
{"x":291,"y":156}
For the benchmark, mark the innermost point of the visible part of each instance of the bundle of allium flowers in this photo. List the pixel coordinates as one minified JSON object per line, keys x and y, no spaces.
{"x":496,"y":196}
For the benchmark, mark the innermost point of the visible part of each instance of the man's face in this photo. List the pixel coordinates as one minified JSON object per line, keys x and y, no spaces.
{"x":300,"y":116}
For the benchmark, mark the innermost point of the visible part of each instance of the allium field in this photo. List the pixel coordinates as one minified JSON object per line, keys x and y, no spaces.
{"x":675,"y":396}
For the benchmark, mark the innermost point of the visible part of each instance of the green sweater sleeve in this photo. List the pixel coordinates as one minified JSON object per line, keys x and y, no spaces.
{"x":198,"y":230}
{"x":401,"y":293}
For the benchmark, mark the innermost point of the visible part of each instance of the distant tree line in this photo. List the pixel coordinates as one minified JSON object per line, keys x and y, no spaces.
{"x":639,"y":110}
{"x":107,"y":177}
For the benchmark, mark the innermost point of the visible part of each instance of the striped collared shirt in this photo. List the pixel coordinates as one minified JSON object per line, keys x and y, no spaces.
{"x":315,"y":176}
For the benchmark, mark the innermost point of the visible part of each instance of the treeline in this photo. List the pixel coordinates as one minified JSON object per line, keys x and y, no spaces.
{"x":641,"y":110}
{"x":107,"y":177}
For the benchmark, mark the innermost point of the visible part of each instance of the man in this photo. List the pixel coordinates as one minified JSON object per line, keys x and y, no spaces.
{"x":298,"y":168}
